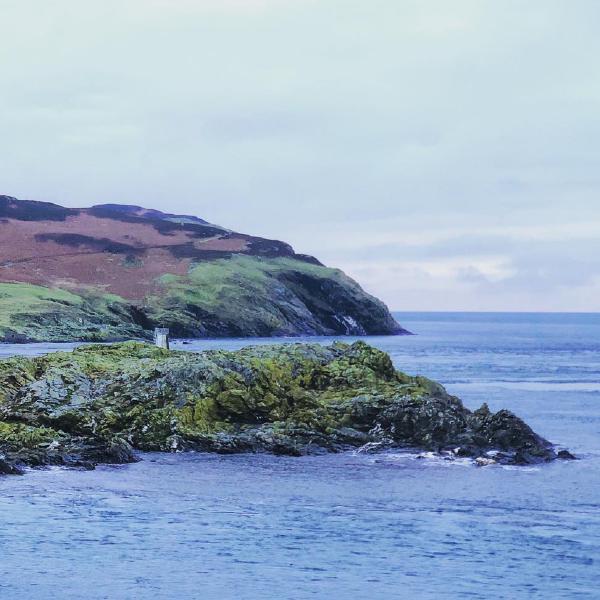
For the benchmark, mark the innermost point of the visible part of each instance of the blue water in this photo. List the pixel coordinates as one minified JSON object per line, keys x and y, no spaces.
{"x":346,"y":526}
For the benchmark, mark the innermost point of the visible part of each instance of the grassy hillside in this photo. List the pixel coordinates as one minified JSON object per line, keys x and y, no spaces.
{"x":35,"y":313}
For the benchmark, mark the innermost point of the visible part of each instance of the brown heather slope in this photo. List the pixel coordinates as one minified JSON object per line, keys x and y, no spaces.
{"x":97,"y":247}
{"x":129,"y":269}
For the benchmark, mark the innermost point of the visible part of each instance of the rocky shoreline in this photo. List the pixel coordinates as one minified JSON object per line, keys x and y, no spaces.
{"x":104,"y":404}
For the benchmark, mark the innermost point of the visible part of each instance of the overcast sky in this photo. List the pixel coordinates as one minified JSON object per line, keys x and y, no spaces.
{"x":446,"y":154}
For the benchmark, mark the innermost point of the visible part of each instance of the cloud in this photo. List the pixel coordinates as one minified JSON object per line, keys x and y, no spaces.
{"x":403,"y":141}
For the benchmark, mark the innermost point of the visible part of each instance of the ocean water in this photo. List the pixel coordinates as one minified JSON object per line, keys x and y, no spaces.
{"x":346,"y":526}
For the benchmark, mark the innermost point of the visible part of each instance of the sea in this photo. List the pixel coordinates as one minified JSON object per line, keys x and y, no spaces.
{"x":400,"y":524}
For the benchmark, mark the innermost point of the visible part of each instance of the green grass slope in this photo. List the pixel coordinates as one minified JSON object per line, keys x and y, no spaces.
{"x":35,"y":313}
{"x":238,"y":296}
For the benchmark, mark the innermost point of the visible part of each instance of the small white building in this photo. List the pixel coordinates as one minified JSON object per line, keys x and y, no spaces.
{"x":161,"y":337}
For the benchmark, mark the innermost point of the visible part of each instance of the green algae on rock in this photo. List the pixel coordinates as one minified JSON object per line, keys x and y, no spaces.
{"x":100,"y":403}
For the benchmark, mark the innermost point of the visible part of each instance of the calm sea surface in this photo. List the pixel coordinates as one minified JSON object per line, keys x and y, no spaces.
{"x":346,"y":526}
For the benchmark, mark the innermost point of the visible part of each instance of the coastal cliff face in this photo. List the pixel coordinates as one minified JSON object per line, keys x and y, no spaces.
{"x":116,"y":271}
{"x":100,"y":403}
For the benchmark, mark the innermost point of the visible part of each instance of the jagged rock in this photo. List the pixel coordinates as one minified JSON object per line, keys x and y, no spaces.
{"x":100,"y":403}
{"x":7,"y":467}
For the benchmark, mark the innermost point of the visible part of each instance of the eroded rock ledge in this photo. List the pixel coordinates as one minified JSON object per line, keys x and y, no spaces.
{"x":99,"y":404}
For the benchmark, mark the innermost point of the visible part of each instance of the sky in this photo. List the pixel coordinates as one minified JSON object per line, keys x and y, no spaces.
{"x":444,"y":154}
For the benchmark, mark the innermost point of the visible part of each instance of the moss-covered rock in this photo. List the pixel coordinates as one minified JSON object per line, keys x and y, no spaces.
{"x":98,"y":403}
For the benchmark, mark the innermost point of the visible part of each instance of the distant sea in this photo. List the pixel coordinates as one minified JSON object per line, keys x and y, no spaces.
{"x":346,"y":526}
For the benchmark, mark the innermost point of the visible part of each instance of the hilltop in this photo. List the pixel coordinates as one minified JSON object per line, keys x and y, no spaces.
{"x":116,"y":271}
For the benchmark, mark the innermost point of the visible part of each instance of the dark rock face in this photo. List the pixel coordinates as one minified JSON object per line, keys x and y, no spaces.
{"x":333,"y":306}
{"x":99,"y":403}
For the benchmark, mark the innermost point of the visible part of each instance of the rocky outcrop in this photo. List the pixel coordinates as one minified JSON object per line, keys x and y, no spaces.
{"x":100,"y":403}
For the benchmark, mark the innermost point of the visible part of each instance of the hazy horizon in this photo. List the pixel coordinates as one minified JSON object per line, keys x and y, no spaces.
{"x":442,"y":154}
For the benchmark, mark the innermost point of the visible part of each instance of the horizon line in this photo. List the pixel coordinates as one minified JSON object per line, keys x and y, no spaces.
{"x":497,"y":312}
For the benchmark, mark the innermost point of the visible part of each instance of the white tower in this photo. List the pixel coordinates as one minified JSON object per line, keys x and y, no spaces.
{"x":161,"y":337}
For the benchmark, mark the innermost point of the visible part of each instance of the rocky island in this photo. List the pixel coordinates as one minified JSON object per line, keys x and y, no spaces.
{"x":103,"y":403}
{"x":114,"y":272}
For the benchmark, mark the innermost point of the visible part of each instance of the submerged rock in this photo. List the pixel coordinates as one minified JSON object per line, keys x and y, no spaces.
{"x":99,"y":403}
{"x":565,"y":455}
